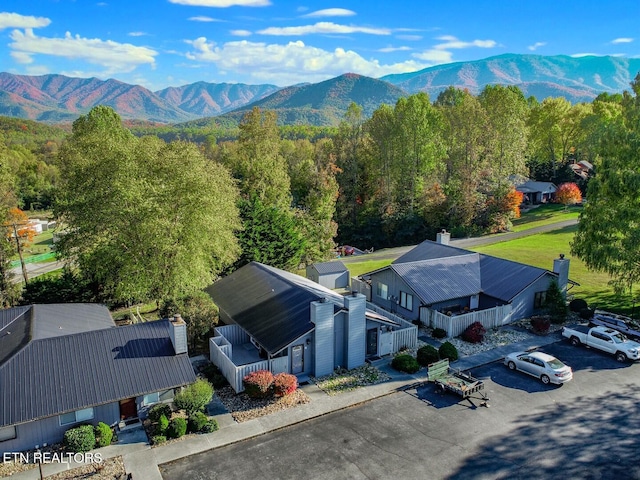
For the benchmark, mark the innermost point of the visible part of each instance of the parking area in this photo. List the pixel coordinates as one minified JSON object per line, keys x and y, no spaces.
{"x":587,"y":428}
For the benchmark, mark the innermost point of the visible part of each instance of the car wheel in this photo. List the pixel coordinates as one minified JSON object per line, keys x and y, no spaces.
{"x":575,"y":341}
{"x":621,"y":357}
{"x":511,"y":365}
{"x":545,"y":379}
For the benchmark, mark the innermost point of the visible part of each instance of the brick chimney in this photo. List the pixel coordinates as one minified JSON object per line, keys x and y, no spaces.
{"x":561,"y":267}
{"x":178,"y":334}
{"x":443,"y":237}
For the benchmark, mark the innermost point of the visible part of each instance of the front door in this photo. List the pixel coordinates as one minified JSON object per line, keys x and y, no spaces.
{"x":297,"y":359}
{"x":372,"y":341}
{"x":128,"y":409}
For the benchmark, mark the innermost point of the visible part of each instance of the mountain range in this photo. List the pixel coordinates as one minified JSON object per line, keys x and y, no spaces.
{"x":56,"y":98}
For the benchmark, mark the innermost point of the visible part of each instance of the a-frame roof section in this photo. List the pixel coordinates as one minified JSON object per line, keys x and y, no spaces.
{"x":430,"y":250}
{"x":504,"y":279}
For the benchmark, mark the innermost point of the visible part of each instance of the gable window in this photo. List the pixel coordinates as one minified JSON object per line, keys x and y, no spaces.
{"x":539,"y":299}
{"x":151,"y":399}
{"x":77,"y":416}
{"x":406,"y":300}
{"x":382,"y":291}
{"x":7,"y":433}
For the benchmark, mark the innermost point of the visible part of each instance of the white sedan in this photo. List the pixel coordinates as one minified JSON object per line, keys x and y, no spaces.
{"x":537,"y":364}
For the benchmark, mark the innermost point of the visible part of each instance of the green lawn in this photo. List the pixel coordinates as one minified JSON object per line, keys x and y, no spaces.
{"x":365,"y":266}
{"x":544,"y":215}
{"x":42,"y":243}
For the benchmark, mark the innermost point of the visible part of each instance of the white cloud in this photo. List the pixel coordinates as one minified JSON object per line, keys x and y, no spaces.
{"x":393,"y":49}
{"x":15,"y":20}
{"x":223,"y":3}
{"x":410,"y":38}
{"x":203,"y":18}
{"x":536,"y":46}
{"x":323,"y":28}
{"x":434,"y":56}
{"x":114,"y":57}
{"x":137,"y":34}
{"x":578,"y":55}
{"x":452,"y":42}
{"x":331,"y":12}
{"x":291,"y":63}
{"x":622,"y":40}
{"x":240,"y":33}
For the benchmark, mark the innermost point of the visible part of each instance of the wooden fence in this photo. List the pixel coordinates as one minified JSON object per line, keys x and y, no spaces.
{"x":407,"y":336}
{"x":455,"y":325}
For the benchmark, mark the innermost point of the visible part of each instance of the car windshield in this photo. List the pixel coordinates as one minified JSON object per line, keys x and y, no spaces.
{"x":619,"y":338}
{"x":555,"y":364}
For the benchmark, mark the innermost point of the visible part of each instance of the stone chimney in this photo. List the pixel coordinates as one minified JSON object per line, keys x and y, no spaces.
{"x":443,"y":237}
{"x":561,"y":267}
{"x":178,"y":334}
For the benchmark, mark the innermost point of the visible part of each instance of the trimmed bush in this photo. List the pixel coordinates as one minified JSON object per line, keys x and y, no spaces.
{"x":80,"y":439}
{"x":439,"y":333}
{"x":555,"y":303}
{"x":474,"y":333}
{"x":196,"y":422}
{"x":177,"y":427}
{"x":258,"y":384}
{"x":162,"y":425}
{"x":194,"y":397}
{"x":210,"y":427}
{"x":448,"y":350}
{"x":103,"y":434}
{"x":284,"y":384}
{"x":158,"y":439}
{"x":586,"y":313}
{"x":427,"y":354}
{"x":158,"y":410}
{"x":577,"y":305}
{"x":405,"y":363}
{"x":215,"y":376}
{"x":540,"y":324}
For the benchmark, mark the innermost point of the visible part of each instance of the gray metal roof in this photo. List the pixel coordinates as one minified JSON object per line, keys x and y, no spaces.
{"x":504,"y":279}
{"x":534,"y":186}
{"x":326,"y":268}
{"x":8,"y":315}
{"x":64,"y":373}
{"x":53,"y":320}
{"x":429,"y":250}
{"x":442,"y":279}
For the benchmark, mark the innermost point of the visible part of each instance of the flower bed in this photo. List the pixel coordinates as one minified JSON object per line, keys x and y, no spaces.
{"x":244,"y":408}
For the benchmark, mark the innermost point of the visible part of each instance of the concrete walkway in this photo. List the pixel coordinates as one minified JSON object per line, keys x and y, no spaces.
{"x":142,"y":460}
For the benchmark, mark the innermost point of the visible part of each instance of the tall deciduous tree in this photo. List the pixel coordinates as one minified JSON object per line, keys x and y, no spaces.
{"x":8,"y":289}
{"x":568,"y":193}
{"x":144,"y":219}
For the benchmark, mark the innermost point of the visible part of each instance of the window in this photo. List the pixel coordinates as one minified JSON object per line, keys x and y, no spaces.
{"x":406,"y":300}
{"x":151,"y":398}
{"x":7,"y":433}
{"x":77,"y":416}
{"x":539,"y":299}
{"x":382,"y":290}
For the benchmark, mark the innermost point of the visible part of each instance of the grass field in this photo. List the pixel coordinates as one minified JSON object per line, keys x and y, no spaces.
{"x":545,"y":215}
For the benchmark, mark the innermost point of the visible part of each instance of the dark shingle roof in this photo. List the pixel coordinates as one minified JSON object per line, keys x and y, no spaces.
{"x":429,"y":250}
{"x":59,"y":374}
{"x":326,"y":268}
{"x":504,"y":279}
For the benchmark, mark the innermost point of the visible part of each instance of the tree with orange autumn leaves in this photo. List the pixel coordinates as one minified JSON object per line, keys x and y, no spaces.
{"x":568,"y":194}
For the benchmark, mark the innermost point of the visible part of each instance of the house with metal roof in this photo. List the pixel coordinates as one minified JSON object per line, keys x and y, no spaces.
{"x":66,"y":364}
{"x":282,"y":322}
{"x":535,"y":192}
{"x":332,"y":274}
{"x":435,"y":282}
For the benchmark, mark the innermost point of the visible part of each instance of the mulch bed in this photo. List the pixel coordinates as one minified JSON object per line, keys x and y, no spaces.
{"x":243,"y":408}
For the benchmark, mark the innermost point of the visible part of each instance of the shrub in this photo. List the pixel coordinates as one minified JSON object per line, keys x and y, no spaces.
{"x":80,"y":439}
{"x":540,"y":324}
{"x":194,"y":397}
{"x":162,"y":425}
{"x":210,"y":426}
{"x":427,"y":354}
{"x":215,"y":376}
{"x":439,"y":333}
{"x":577,"y":305}
{"x":448,"y":350}
{"x":158,"y":439}
{"x":258,"y":384}
{"x":196,"y":422}
{"x":177,"y":427}
{"x":284,"y":384}
{"x":405,"y":363}
{"x":159,"y":410}
{"x":416,"y":322}
{"x":474,"y":333}
{"x":555,"y":303}
{"x":103,"y":434}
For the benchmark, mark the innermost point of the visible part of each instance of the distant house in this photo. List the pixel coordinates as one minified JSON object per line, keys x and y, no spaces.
{"x":282,"y":322}
{"x":66,"y":364}
{"x":329,"y":274}
{"x":582,"y":169}
{"x":437,"y":281}
{"x":537,"y":192}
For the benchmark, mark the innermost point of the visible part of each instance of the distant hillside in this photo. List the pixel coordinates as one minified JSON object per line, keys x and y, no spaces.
{"x":577,"y":79}
{"x":325,"y":103}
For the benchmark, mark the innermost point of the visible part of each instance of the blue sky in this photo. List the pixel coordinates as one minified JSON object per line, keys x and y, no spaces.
{"x":161,"y":43}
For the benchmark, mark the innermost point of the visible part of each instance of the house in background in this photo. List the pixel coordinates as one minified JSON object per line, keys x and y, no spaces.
{"x":66,"y":364}
{"x":282,"y":322}
{"x":435,"y":283}
{"x":535,"y":193}
{"x":332,"y":275}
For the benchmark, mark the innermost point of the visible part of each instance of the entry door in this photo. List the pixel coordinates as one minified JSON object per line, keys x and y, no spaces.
{"x":297,"y":359}
{"x":372,"y":341}
{"x":128,"y":409}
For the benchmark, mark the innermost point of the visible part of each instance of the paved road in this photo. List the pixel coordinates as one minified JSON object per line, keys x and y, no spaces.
{"x":586,"y":429}
{"x":35,"y":269}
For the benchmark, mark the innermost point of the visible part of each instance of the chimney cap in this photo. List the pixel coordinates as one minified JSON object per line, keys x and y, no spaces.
{"x":562,"y":256}
{"x":177,"y":318}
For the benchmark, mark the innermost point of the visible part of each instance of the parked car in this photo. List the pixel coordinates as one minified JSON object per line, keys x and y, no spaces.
{"x":540,"y":365}
{"x":605,"y":339}
{"x":623,"y":324}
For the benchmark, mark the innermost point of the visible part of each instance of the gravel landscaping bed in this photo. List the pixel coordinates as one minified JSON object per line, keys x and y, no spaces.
{"x":345,"y":380}
{"x":243,"y":408}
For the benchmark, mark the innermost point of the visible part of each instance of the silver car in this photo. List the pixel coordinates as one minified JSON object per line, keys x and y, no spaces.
{"x":537,"y":364}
